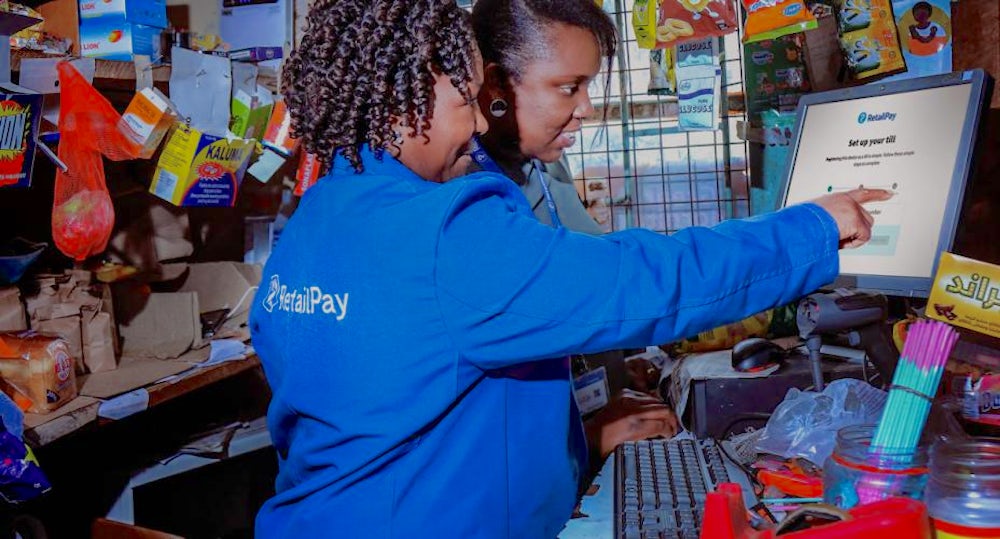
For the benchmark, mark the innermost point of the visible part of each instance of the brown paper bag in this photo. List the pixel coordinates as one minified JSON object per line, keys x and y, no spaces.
{"x":66,"y":327}
{"x":98,"y":340}
{"x":12,"y":316}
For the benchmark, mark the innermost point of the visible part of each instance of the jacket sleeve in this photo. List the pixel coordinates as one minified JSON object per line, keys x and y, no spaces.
{"x":512,"y":290}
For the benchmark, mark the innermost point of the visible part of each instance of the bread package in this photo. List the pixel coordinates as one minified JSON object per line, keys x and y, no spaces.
{"x":37,"y":371}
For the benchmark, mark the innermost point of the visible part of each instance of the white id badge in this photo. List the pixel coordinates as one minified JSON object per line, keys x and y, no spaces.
{"x":591,"y":390}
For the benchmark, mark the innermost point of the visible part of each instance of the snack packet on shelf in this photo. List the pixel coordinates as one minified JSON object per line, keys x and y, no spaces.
{"x":680,"y":21}
{"x":868,"y":38}
{"x":770,"y":19}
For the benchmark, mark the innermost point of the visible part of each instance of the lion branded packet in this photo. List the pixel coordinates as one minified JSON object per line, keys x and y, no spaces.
{"x":680,"y":21}
{"x":868,"y":38}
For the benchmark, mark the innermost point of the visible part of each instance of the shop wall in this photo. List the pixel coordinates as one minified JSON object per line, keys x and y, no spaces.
{"x":204,"y":14}
{"x":977,"y":38}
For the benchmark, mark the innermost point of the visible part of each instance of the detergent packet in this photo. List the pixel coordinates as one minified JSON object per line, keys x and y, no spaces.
{"x":680,"y":21}
{"x":769,"y":19}
{"x":868,"y":38}
{"x":924,"y":28}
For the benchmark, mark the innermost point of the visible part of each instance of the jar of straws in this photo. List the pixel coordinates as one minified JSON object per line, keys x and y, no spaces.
{"x":854,"y":474}
{"x":963,"y":494}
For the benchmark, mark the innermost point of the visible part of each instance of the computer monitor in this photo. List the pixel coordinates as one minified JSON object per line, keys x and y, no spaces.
{"x":914,"y":137}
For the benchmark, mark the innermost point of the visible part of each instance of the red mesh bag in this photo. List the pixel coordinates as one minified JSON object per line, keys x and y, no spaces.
{"x":82,"y":214}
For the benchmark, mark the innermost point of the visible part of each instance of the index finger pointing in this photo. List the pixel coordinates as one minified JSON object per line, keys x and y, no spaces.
{"x":864,"y":195}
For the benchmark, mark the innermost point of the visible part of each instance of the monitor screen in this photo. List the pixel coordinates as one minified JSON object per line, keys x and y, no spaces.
{"x":912,"y":137}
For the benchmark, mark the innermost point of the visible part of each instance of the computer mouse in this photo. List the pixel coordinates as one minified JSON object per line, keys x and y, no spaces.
{"x":755,"y":354}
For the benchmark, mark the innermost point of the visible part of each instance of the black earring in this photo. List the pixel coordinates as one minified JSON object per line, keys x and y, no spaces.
{"x":498,"y":107}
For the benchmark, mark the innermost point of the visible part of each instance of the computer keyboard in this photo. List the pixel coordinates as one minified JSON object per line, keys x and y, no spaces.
{"x":661,"y":486}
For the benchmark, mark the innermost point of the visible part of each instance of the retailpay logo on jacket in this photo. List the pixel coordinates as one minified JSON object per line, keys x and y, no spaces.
{"x":303,"y":300}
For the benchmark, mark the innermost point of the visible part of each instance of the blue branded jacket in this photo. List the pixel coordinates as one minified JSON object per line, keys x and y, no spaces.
{"x":404,"y":328}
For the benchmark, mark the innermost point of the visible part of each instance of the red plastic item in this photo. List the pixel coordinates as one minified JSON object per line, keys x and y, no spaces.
{"x":792,"y":483}
{"x":82,"y":214}
{"x":726,"y":518}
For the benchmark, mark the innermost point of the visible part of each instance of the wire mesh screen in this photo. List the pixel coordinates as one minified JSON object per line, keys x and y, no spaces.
{"x":638,"y":169}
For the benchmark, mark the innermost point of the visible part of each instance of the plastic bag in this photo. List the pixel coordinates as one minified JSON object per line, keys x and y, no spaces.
{"x":805,"y":424}
{"x":82,"y":214}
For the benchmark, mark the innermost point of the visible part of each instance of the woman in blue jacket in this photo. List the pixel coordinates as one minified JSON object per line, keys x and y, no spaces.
{"x":405,"y":319}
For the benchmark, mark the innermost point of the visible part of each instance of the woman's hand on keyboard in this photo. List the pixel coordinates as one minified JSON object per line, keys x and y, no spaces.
{"x":630,"y":416}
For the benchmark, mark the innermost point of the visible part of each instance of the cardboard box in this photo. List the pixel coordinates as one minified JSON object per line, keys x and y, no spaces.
{"x":20,"y":112}
{"x":147,"y":120}
{"x":966,"y":293}
{"x":165,"y":325}
{"x":256,"y":54}
{"x":62,"y":19}
{"x":221,"y":285}
{"x":251,"y":112}
{"x":146,"y":12}
{"x":158,"y":325}
{"x":113,"y":38}
{"x":197,"y":169}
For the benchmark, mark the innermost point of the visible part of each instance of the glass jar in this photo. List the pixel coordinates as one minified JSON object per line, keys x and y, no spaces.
{"x":963,"y":494}
{"x":853,"y":475}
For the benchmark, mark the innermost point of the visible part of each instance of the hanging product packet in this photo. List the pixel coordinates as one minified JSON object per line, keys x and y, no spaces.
{"x":924,"y":28}
{"x":681,"y":21}
{"x":868,"y":38}
{"x":662,"y":72}
{"x":699,"y":80}
{"x":644,"y":23}
{"x":775,"y":75}
{"x":769,"y":19}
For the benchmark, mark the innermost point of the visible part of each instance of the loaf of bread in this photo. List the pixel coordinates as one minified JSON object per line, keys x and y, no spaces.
{"x":36,"y":371}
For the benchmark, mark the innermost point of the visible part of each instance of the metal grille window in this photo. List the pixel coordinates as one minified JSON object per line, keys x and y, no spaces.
{"x":638,"y":169}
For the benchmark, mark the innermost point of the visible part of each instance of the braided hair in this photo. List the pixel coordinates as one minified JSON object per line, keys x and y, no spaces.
{"x":362,"y":65}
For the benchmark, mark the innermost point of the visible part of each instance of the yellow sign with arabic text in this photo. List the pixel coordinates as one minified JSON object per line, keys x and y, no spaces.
{"x":966,"y":293}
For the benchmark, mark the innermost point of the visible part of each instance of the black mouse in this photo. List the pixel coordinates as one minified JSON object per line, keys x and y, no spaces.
{"x":756,"y":354}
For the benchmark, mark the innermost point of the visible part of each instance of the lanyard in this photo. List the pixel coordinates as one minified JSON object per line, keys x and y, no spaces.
{"x":482,"y":158}
{"x":549,"y":202}
{"x":487,"y":163}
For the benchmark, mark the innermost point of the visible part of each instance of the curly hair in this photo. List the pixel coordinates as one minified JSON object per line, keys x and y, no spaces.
{"x":361,"y":66}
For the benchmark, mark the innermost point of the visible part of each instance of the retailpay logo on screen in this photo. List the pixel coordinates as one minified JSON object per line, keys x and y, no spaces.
{"x":880,"y":117}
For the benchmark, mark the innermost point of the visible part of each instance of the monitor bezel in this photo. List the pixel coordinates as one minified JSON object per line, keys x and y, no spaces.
{"x":908,"y":286}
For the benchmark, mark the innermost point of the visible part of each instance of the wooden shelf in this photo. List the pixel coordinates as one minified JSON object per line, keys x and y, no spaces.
{"x":106,"y":69}
{"x":81,"y":412}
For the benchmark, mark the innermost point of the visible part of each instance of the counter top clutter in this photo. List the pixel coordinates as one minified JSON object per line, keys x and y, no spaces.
{"x":71,"y":351}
